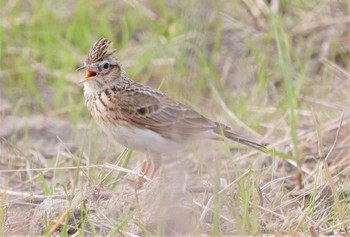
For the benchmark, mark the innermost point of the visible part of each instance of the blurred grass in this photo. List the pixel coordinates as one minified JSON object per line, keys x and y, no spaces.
{"x":254,"y":62}
{"x":55,"y":43}
{"x":285,"y":63}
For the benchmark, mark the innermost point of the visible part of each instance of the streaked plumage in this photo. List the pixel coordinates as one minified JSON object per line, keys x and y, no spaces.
{"x":140,"y":117}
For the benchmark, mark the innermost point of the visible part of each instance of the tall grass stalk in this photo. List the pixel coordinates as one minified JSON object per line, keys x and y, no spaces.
{"x":285,"y":64}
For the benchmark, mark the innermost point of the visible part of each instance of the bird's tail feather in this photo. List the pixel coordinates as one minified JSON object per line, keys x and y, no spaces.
{"x":227,"y":132}
{"x":244,"y":141}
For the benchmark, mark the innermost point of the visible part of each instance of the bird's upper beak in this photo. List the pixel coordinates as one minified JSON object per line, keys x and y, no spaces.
{"x":82,"y":67}
{"x":91,"y":72}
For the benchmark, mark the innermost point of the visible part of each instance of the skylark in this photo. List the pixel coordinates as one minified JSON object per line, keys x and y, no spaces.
{"x":142,"y":118}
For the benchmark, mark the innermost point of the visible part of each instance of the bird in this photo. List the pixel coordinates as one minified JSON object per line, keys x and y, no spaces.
{"x":143,"y":118}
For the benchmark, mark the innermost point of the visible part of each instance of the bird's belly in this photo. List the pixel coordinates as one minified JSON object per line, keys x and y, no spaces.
{"x":144,"y":140}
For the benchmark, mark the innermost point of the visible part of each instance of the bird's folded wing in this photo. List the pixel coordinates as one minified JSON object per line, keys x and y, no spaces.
{"x":154,"y":111}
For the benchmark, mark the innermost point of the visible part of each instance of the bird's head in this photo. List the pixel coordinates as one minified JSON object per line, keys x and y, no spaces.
{"x":102,"y":67}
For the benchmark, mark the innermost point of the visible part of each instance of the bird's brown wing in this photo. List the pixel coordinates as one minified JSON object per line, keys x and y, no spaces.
{"x":151,"y":109}
{"x":147,"y":108}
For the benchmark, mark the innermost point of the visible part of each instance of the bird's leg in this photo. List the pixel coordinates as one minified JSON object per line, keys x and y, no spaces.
{"x":154,"y":171}
{"x":146,"y":165}
{"x":156,"y":163}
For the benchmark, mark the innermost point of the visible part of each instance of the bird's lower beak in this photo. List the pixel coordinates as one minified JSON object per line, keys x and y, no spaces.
{"x":90,"y":74}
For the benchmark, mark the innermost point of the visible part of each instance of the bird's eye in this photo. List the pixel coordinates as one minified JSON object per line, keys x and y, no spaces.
{"x":106,"y":65}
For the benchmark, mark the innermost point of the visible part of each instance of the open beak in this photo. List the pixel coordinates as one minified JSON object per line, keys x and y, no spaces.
{"x":90,"y":74}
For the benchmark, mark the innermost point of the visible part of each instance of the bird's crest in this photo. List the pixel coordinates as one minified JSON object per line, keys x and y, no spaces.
{"x":99,"y":50}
